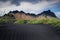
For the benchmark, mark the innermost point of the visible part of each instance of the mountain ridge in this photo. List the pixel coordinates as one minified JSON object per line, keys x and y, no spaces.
{"x":48,"y":12}
{"x":28,"y":16}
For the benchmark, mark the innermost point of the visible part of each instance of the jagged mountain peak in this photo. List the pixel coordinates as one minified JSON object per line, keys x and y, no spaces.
{"x":44,"y":13}
{"x":48,"y":13}
{"x":22,"y":12}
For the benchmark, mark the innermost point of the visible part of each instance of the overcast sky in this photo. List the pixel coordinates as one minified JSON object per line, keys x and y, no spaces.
{"x":30,"y":6}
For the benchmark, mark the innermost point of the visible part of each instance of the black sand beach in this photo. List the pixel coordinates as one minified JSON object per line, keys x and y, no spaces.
{"x":28,"y":32}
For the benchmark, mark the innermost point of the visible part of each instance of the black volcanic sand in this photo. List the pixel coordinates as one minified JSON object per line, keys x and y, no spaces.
{"x":28,"y":32}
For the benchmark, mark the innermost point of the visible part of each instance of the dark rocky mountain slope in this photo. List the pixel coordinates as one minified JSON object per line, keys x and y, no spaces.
{"x":48,"y":13}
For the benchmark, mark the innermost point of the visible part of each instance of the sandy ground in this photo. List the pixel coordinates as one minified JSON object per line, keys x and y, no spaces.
{"x":28,"y":32}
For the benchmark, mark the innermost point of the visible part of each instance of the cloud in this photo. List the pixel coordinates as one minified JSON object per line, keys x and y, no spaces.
{"x":26,"y":6}
{"x":16,"y":2}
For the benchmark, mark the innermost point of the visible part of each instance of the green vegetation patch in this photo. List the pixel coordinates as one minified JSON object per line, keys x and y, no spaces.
{"x":52,"y":21}
{"x":21,"y":21}
{"x":6,"y":20}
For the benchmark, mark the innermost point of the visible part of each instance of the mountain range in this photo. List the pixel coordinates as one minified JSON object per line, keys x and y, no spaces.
{"x":20,"y":15}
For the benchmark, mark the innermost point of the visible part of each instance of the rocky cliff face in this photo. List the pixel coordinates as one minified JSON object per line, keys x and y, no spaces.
{"x":20,"y":15}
